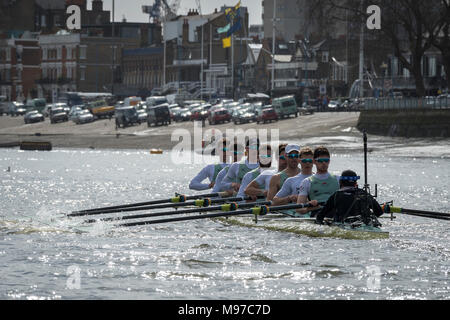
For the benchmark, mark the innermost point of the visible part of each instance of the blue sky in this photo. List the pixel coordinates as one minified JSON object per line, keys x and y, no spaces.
{"x":133,"y":13}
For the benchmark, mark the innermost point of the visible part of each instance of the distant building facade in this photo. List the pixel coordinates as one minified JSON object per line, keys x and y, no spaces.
{"x":19,"y":67}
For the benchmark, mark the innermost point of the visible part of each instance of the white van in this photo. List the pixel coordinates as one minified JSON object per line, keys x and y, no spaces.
{"x":155,"y":101}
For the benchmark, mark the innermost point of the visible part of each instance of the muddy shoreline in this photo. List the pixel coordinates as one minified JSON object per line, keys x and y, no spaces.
{"x":102,"y":134}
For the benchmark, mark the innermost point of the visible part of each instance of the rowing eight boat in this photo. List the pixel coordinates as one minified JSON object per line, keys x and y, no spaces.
{"x":306,"y":226}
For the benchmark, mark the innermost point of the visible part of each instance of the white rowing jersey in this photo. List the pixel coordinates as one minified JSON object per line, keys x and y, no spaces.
{"x":233,"y":174}
{"x":291,"y":186}
{"x":265,"y":173}
{"x":220,"y":176}
{"x":206,"y":173}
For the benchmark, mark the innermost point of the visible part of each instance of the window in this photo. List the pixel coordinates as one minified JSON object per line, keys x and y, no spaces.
{"x":82,"y":52}
{"x":325,"y":57}
{"x":68,"y":53}
{"x":82,"y":73}
{"x":432,"y":67}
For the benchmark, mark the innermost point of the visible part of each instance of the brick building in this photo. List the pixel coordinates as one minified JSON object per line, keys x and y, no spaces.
{"x":19,"y":67}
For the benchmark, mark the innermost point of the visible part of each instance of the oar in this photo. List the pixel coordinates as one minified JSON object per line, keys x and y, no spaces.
{"x":420,"y":213}
{"x":178,"y":198}
{"x":198,"y":203}
{"x":258,"y":210}
{"x":225,"y":207}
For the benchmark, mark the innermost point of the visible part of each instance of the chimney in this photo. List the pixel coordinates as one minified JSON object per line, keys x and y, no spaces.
{"x":97,"y":5}
{"x":185,"y":31}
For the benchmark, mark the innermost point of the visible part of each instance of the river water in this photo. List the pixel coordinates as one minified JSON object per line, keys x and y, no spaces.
{"x":44,"y":255}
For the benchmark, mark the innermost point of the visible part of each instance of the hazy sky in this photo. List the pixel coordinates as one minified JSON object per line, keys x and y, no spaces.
{"x":133,"y":12}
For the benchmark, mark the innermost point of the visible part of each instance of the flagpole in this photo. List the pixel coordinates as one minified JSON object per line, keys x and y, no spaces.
{"x":210,"y":58}
{"x":273,"y":43}
{"x":201,"y":69}
{"x":232,"y":63}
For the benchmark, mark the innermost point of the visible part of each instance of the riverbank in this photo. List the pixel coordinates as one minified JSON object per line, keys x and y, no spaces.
{"x":102,"y":134}
{"x":418,"y":123}
{"x":338,"y":131}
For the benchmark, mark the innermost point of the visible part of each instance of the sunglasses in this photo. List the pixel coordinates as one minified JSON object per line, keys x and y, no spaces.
{"x":265,"y":156}
{"x":282,"y":158}
{"x":326,"y":160}
{"x":293,"y":156}
{"x":307,"y":160}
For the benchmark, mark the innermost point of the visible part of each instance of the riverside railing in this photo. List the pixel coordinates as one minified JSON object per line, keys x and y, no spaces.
{"x":442,"y":102}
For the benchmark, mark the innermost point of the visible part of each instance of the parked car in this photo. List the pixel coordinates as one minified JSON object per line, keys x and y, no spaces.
{"x":306,"y":109}
{"x":142,"y":116}
{"x":126,"y":116}
{"x":219,"y":116}
{"x":83,"y":116}
{"x":244,"y":116}
{"x":16,"y":109}
{"x":174,"y":109}
{"x":333,"y":105}
{"x":101,"y":109}
{"x":155,"y":101}
{"x":62,"y":105}
{"x":266,"y":114}
{"x":201,"y":112}
{"x":33,"y":116}
{"x":46,"y":111}
{"x":73,"y":112}
{"x":184,"y":115}
{"x":58,"y":114}
{"x":285,"y":106}
{"x":158,"y":115}
{"x":36,"y":104}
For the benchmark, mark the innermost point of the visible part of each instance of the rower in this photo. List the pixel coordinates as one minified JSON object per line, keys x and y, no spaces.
{"x":211,"y":171}
{"x":265,"y":165}
{"x":350,"y":204}
{"x":290,"y":189}
{"x":292,"y":156}
{"x":260,"y":185}
{"x":232,"y":181}
{"x":237,"y":155}
{"x":320,"y":186}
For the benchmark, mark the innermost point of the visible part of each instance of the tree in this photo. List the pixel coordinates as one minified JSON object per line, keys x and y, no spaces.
{"x":412,"y":27}
{"x":442,"y":39}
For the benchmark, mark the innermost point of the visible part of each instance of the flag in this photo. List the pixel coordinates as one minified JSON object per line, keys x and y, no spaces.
{"x":235,"y":27}
{"x":224,"y":29}
{"x":226,"y":42}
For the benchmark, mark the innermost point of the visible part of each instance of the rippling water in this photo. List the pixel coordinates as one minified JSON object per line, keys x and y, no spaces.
{"x":45,"y":256}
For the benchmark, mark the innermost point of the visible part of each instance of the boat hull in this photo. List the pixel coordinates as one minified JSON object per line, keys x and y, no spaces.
{"x":305,"y":226}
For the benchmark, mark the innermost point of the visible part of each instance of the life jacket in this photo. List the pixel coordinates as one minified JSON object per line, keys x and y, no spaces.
{"x":357,"y":205}
{"x":321,"y":190}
